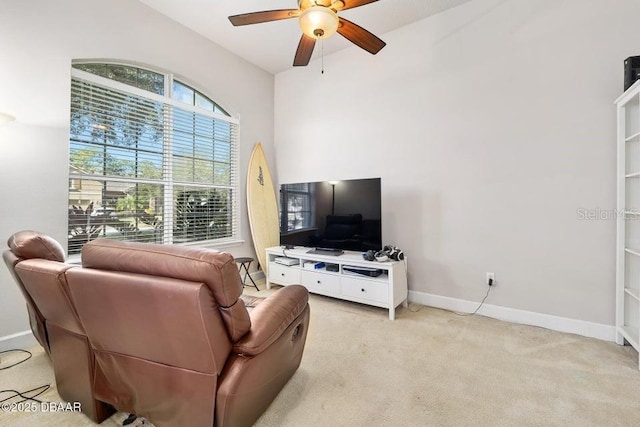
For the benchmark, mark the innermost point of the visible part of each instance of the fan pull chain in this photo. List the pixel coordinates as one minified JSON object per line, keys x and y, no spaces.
{"x":322,"y":49}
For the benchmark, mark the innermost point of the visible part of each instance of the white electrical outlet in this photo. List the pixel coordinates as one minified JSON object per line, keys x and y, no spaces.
{"x":492,"y":277}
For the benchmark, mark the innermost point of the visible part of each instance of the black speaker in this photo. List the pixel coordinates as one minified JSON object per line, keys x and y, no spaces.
{"x":631,"y":71}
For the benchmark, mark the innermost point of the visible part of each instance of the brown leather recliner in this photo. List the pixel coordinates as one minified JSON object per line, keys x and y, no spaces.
{"x":173,"y":340}
{"x":25,"y":245}
{"x":37,"y":263}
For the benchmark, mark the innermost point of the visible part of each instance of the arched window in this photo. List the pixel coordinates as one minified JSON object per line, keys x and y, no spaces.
{"x":151,"y":159}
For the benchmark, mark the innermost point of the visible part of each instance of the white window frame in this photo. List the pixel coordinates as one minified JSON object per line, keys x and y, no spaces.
{"x":168,"y":208}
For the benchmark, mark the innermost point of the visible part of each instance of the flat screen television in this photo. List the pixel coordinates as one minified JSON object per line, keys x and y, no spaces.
{"x":332,"y":214}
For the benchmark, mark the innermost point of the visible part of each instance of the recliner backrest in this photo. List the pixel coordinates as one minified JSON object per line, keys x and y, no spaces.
{"x":25,"y":245}
{"x":187,"y":267}
{"x":37,"y":262}
{"x":36,"y":319}
{"x":171,"y":313}
{"x":46,"y":283}
{"x":162,"y":320}
{"x":33,"y":244}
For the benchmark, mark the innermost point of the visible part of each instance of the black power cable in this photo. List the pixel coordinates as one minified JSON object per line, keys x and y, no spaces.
{"x":16,"y":393}
{"x":24,"y":395}
{"x":30,"y":355}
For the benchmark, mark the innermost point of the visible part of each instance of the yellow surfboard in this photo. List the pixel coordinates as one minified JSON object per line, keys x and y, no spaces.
{"x":262,"y":206}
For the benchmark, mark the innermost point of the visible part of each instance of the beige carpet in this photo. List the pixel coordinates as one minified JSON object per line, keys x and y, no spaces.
{"x":426,"y":368}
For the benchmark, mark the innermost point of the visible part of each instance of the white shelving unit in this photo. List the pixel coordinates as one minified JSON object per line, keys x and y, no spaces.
{"x":388,"y":290}
{"x":628,"y":219}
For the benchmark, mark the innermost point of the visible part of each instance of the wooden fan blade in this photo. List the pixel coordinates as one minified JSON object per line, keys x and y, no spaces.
{"x":360,"y":37}
{"x":350,"y":4}
{"x":264,"y":16}
{"x":305,"y":49}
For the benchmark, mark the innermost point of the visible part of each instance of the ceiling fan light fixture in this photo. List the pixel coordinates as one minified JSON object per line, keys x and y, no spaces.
{"x":319,"y":22}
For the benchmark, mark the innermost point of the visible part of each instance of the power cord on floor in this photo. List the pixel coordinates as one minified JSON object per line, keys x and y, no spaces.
{"x":29,"y":356}
{"x":24,"y":394}
{"x":481,"y":302}
{"x":16,"y":393}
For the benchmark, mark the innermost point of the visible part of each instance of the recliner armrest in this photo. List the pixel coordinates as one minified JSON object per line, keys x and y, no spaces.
{"x":271,"y":318}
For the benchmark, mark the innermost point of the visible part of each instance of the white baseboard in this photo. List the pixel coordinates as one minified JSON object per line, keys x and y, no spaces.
{"x":556,"y":323}
{"x":21,"y":340}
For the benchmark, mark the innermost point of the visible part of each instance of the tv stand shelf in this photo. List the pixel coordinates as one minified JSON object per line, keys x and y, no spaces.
{"x":387,"y":290}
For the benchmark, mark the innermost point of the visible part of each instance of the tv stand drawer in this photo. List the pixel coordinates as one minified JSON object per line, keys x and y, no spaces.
{"x":321,"y":283}
{"x":283,"y":274}
{"x":365,"y":289}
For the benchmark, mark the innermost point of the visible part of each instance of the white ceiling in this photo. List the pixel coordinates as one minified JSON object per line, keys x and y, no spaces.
{"x":272,"y":45}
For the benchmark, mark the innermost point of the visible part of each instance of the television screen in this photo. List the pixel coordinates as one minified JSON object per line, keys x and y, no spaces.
{"x":332,"y":214}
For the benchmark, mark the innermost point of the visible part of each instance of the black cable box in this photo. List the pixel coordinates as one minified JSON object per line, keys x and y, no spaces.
{"x":332,"y":267}
{"x":365,"y":271}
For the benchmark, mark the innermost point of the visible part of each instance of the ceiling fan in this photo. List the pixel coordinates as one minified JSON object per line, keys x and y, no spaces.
{"x":318,"y":20}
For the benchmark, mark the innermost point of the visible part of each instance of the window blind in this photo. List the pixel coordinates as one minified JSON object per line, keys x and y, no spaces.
{"x":145,"y":167}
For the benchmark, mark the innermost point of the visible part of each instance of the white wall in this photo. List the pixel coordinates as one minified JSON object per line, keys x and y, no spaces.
{"x":490,"y":124}
{"x":38,"y":40}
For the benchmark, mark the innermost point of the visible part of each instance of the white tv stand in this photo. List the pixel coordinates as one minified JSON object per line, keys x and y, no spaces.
{"x":387,"y":290}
